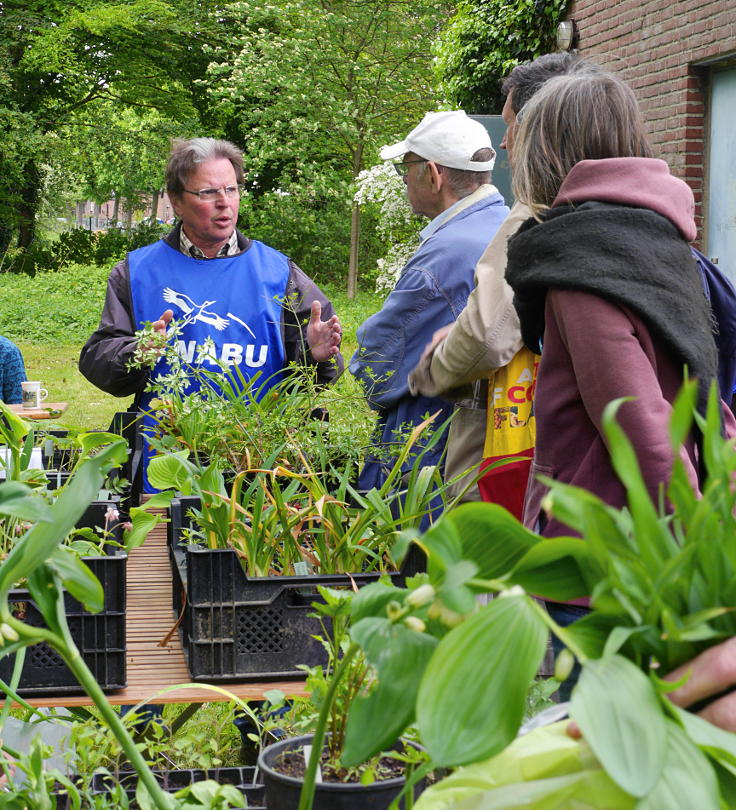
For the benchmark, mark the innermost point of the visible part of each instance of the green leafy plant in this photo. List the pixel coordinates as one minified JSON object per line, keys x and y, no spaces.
{"x":51,"y":569}
{"x":661,"y":585}
{"x":274,"y":518}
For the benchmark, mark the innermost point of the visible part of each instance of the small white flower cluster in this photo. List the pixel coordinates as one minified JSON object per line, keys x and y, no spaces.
{"x":390,"y":267}
{"x":396,"y":223}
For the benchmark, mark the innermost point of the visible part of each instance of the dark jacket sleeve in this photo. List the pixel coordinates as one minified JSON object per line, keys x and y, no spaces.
{"x":104,"y":356}
{"x":300,"y":292}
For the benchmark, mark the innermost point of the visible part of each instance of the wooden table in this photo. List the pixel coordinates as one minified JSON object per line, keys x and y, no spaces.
{"x":149,"y":620}
{"x":48,"y":410}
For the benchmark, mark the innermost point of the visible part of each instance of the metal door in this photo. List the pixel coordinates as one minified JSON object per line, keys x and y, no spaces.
{"x":721,"y":222}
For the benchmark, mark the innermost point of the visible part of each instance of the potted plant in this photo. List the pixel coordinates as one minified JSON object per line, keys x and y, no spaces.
{"x":246,"y":558}
{"x":316,"y":760}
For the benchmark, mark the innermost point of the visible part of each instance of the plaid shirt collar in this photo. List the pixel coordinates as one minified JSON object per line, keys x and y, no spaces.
{"x":230,"y":248}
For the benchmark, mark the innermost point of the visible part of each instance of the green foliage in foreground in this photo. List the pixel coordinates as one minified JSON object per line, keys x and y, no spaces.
{"x":662,"y":590}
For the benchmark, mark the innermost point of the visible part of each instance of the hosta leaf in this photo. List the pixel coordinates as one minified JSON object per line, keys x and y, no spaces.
{"x":88,"y":441}
{"x":172,"y":471}
{"x":471,"y":699}
{"x":142,"y":522}
{"x":400,"y":657}
{"x":619,"y":713}
{"x":688,"y":779}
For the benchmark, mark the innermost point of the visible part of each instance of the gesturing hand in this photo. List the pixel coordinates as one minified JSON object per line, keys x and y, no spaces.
{"x":149,"y":350}
{"x":323,"y":337}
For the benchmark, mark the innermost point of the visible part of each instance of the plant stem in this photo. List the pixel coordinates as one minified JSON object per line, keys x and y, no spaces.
{"x":306,"y":797}
{"x":82,"y":673}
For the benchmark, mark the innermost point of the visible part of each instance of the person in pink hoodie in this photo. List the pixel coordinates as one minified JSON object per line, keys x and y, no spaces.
{"x":606,"y":287}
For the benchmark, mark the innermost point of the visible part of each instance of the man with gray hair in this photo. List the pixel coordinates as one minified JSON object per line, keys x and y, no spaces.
{"x":446,"y":163}
{"x":249,"y":304}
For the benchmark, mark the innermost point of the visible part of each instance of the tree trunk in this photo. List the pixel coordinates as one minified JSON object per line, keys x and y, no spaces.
{"x":79,"y":214}
{"x":354,"y":244}
{"x":116,"y":210}
{"x":128,"y":214}
{"x":154,"y":204}
{"x":28,"y":205}
{"x":354,"y":228}
{"x":95,"y":217}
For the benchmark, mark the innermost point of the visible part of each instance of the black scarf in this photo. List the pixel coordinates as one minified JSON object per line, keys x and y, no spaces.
{"x":631,"y":256}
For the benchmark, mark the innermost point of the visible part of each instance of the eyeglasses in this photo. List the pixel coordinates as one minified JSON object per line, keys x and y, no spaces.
{"x":211,"y":194}
{"x":402,"y":169}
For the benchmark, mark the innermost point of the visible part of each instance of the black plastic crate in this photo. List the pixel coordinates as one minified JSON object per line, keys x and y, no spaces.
{"x":237,"y":627}
{"x":243,"y":778}
{"x":100,"y":637}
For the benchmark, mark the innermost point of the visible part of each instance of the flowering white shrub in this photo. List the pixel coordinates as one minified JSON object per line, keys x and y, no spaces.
{"x":397,"y":225}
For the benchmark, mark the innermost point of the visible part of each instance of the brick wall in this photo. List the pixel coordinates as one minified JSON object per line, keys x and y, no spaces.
{"x":656,"y":46}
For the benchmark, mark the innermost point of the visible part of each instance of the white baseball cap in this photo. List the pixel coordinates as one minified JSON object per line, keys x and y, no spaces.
{"x":449,"y":138}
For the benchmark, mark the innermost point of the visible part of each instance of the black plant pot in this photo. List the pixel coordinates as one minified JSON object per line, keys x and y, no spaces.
{"x":282,"y":791}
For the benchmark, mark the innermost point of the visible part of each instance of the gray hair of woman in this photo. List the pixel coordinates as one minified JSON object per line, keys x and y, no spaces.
{"x":588,"y":115}
{"x":186,"y":155}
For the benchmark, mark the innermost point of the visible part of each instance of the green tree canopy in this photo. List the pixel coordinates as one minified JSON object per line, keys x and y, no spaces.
{"x":313,"y":88}
{"x":60,"y":58}
{"x":485,"y":40}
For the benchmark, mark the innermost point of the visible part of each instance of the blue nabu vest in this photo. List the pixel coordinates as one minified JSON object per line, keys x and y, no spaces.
{"x":232,"y":306}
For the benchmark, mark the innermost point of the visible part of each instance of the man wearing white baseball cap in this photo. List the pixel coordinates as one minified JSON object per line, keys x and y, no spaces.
{"x":446,"y":163}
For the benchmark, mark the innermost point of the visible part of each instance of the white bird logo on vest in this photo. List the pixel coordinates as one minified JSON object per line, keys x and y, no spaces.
{"x":195,"y":312}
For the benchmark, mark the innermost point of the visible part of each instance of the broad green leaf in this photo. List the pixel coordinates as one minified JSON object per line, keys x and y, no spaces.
{"x":688,"y":780}
{"x":160,"y":500}
{"x":442,"y":545}
{"x":587,"y":790}
{"x":491,"y":537}
{"x":554,"y":569}
{"x":472,"y":696}
{"x":454,"y":590}
{"x":719,"y":744}
{"x":399,"y":656}
{"x":20,"y":501}
{"x":142,"y":523}
{"x":44,"y":590}
{"x":172,"y":471}
{"x":13,"y":426}
{"x":89,"y":441}
{"x":567,"y":503}
{"x":618,"y":712}
{"x":542,"y":770}
{"x":77,"y":578}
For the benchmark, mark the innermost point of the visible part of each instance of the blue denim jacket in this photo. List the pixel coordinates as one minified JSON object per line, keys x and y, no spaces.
{"x":432,"y":290}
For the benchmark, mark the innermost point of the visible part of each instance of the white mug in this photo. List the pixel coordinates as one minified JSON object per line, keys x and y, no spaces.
{"x":33,"y":394}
